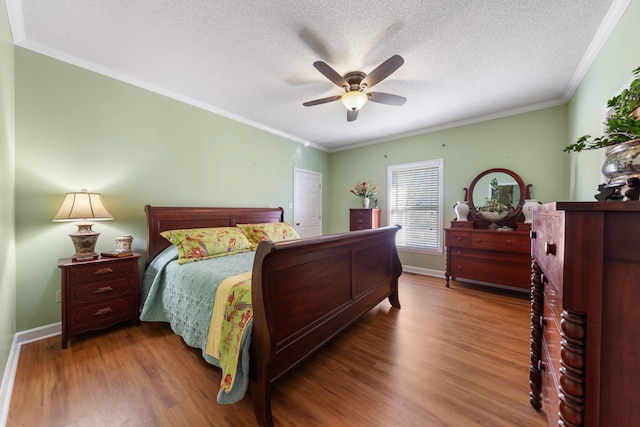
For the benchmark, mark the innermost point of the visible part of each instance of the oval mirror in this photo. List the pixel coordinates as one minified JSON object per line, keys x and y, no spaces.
{"x":498,"y":187}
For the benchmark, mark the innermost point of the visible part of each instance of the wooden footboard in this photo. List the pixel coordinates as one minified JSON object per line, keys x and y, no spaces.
{"x":305,"y":292}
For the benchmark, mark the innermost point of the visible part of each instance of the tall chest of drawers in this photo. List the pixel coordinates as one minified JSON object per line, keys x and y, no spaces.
{"x":364,"y":219}
{"x":585,"y":321}
{"x":98,"y":293}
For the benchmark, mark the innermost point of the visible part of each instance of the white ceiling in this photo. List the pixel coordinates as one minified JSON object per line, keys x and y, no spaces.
{"x":252,"y":60}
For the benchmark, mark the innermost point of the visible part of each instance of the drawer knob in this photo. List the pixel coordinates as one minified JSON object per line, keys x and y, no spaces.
{"x":105,"y":270}
{"x":103,"y":290}
{"x":103,"y":311}
{"x":508,"y":242}
{"x":458,"y":238}
{"x":543,"y":321}
{"x":549,"y":248}
{"x":532,"y":234}
{"x":541,"y":366}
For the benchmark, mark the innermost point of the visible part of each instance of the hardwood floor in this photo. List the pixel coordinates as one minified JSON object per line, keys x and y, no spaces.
{"x":448,"y":357}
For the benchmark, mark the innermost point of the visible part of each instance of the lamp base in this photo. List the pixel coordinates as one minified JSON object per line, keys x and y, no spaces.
{"x":84,"y":241}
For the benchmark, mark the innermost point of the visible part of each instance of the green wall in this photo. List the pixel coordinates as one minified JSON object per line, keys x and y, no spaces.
{"x":7,"y":166}
{"x":66,"y":128}
{"x":78,"y":129}
{"x":529,"y":144}
{"x":608,"y":75}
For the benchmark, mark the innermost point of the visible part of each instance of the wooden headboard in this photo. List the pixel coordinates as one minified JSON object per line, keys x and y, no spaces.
{"x":172,"y":218}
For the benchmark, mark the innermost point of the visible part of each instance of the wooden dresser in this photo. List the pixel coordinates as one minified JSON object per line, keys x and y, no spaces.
{"x":98,"y":293}
{"x":490,"y":256}
{"x":585,"y":331}
{"x":363,"y":219}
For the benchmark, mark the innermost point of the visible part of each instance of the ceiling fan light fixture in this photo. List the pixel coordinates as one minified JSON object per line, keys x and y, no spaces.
{"x":354,"y":100}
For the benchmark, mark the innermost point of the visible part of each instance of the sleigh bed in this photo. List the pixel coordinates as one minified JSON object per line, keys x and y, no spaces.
{"x":304,"y":292}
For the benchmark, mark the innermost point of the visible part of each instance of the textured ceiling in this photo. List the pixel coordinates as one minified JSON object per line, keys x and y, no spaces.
{"x":252,"y":60}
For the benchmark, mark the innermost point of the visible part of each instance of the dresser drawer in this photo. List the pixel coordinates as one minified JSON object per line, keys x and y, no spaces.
{"x":498,"y":241}
{"x":503,"y":268}
{"x":100,"y":291}
{"x":101,"y":271}
{"x":102,"y":314}
{"x":550,"y":390}
{"x":364,"y":219}
{"x":459,"y":239}
{"x":548,"y":245}
{"x":552,"y":300}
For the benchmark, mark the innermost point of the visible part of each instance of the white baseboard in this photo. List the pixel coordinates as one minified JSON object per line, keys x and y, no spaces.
{"x":19,"y":339}
{"x":423,"y":271}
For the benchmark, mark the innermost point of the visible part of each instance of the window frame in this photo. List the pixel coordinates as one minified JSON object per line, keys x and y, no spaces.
{"x":427,"y":164}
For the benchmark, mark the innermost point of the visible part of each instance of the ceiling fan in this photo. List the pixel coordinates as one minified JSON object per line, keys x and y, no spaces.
{"x":355,"y":83}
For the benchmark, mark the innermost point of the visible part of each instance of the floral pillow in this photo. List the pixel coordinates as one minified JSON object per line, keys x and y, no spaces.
{"x":273,"y":231}
{"x":196,"y":244}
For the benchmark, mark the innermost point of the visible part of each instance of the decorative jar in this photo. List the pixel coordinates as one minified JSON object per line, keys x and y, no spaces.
{"x":124,"y":243}
{"x":527,"y":209}
{"x":462,"y":210}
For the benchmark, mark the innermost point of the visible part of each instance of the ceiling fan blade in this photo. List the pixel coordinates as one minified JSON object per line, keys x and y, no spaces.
{"x":383,"y":70}
{"x":386,"y":98}
{"x":330,"y":73}
{"x":321,"y":100}
{"x":352,"y":115}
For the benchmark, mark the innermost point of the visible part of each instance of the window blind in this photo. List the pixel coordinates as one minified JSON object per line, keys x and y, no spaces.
{"x":416,"y":204}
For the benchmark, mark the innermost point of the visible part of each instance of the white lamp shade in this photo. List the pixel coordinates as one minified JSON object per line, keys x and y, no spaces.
{"x":354,"y":100}
{"x":82,"y":206}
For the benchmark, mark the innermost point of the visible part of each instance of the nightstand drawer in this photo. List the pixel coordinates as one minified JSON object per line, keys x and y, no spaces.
{"x":99,"y":291}
{"x":102,"y":313}
{"x":102,"y":271}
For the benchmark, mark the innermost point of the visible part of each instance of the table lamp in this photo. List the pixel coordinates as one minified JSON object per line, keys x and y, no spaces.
{"x":83,"y":206}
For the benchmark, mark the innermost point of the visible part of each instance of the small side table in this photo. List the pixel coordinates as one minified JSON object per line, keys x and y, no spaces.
{"x":98,"y":293}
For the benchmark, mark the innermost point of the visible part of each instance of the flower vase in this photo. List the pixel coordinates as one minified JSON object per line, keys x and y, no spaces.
{"x":527,"y":209}
{"x":462,"y":210}
{"x":365,"y":203}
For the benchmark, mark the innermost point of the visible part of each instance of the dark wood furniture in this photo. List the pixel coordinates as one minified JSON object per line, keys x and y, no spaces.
{"x":304,"y":292}
{"x":489,"y":256}
{"x":499,"y":256}
{"x":585,"y":323}
{"x":363,"y":219}
{"x":98,"y":293}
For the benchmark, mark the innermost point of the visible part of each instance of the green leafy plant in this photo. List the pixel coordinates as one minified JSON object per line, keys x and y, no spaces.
{"x":621,"y":125}
{"x":493,"y":205}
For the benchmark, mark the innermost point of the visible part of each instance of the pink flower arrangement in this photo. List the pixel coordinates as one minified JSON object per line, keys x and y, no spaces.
{"x":364,"y":189}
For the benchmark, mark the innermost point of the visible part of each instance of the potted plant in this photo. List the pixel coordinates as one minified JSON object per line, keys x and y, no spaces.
{"x":493,"y":210}
{"x":621,"y":136}
{"x":365,"y":191}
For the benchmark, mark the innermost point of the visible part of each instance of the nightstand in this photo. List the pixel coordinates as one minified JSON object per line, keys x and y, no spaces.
{"x":98,"y":293}
{"x":362,"y":219}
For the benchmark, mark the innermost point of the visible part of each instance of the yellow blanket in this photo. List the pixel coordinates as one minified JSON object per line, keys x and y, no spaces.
{"x":232,"y":310}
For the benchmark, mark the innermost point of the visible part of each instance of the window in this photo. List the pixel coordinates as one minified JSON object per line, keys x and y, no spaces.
{"x":415,"y":202}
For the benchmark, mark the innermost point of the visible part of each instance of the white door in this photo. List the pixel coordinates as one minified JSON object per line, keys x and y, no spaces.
{"x":307,"y":202}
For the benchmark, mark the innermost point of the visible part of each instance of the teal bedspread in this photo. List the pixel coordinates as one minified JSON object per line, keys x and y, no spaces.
{"x":183,"y":295}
